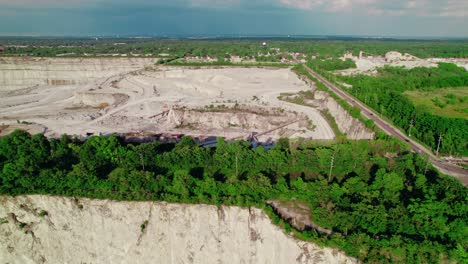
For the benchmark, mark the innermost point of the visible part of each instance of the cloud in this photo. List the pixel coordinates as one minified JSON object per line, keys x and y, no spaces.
{"x":455,"y":8}
{"x":84,"y":3}
{"x":302,"y":4}
{"x":330,"y":5}
{"x":429,"y":8}
{"x":450,"y":8}
{"x":369,"y":7}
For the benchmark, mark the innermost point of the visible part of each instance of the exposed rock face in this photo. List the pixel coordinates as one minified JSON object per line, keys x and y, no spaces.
{"x":296,"y":125}
{"x":43,"y":229}
{"x":298,"y":215}
{"x":24,"y":72}
{"x":122,"y":95}
{"x":353,"y":128}
{"x":394,"y":56}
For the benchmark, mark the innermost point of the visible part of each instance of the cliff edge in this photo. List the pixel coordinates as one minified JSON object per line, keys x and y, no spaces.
{"x":44,"y":229}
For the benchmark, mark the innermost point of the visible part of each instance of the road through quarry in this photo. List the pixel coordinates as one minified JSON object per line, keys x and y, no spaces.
{"x":441,"y":165}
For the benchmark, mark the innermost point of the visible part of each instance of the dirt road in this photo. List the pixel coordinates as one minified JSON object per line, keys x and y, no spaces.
{"x":444,"y":167}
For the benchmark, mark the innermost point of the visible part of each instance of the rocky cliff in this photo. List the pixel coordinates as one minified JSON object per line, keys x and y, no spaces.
{"x":352,"y":127}
{"x":43,"y":229}
{"x":24,"y":72}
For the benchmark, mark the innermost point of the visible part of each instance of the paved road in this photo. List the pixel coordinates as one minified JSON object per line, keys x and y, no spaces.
{"x":444,"y":167}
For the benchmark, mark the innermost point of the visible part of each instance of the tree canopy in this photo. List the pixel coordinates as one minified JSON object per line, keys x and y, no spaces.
{"x":378,"y":197}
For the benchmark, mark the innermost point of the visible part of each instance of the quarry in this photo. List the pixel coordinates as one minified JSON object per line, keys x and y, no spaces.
{"x":317,"y":198}
{"x":90,"y":96}
{"x":45,"y":229}
{"x":136,"y":98}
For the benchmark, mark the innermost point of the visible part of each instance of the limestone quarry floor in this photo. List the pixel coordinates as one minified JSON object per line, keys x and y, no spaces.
{"x":80,"y":96}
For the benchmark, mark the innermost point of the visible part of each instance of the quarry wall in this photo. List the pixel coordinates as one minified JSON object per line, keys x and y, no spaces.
{"x":352,"y":127}
{"x":44,"y":229}
{"x":24,"y":72}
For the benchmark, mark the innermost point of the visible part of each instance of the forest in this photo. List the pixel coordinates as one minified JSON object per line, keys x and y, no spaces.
{"x":385,"y":93}
{"x":385,"y":203}
{"x":222,"y":48}
{"x":332,"y":64}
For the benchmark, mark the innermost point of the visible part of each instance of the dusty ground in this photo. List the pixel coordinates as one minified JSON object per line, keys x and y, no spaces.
{"x":43,"y":229}
{"x":79,"y":96}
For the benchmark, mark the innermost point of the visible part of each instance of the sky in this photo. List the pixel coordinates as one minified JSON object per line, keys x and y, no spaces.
{"x":386,"y":18}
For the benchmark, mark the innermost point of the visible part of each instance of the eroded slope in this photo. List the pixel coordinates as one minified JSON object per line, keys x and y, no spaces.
{"x":43,"y":229}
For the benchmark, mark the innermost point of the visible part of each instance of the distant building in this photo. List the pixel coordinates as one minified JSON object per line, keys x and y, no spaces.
{"x":264,"y":44}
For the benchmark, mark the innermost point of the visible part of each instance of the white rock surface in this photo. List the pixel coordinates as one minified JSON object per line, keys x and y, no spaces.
{"x":106,"y":231}
{"x":368,"y":65}
{"x":81,"y":96}
{"x":352,"y":127}
{"x":24,"y":72}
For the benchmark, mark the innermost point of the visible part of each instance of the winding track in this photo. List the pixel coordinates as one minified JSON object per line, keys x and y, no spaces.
{"x":443,"y":166}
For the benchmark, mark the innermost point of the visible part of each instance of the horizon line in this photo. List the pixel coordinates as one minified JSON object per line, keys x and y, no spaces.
{"x":233,"y":36}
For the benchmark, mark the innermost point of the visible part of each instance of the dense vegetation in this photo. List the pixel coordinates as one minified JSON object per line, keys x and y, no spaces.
{"x":222,"y":48}
{"x":385,"y":93}
{"x":332,"y":64}
{"x":167,"y":49}
{"x":385,"y":203}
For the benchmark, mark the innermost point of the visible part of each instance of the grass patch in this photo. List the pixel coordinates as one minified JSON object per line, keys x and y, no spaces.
{"x":446,"y":102}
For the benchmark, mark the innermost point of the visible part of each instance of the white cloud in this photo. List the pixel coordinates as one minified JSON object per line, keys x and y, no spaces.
{"x":330,"y":5}
{"x":302,"y":4}
{"x":449,"y":8}
{"x":455,"y":8}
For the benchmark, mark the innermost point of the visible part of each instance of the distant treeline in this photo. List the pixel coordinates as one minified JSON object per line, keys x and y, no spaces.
{"x":333,"y":64}
{"x":224,"y":48}
{"x":386,"y":204}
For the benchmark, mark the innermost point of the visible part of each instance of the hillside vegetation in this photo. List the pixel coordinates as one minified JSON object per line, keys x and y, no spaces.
{"x":384,"y":203}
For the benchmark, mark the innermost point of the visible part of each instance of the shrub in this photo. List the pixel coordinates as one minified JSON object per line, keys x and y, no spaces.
{"x":143,"y":226}
{"x":43,"y":213}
